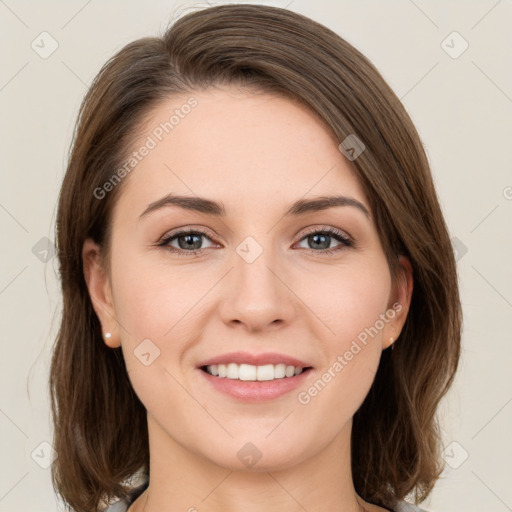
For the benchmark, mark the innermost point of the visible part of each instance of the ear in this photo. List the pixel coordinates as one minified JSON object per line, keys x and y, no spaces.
{"x":98,"y":284}
{"x":399,"y":303}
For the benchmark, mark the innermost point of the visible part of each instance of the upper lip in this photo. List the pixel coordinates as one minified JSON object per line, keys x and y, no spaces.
{"x":255,"y":359}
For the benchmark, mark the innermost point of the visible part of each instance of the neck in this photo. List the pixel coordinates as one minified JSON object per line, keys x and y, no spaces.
{"x":182,"y":479}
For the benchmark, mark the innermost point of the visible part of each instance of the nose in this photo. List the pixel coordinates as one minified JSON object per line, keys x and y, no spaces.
{"x":257,"y":293}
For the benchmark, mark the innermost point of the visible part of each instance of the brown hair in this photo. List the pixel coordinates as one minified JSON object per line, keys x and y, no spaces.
{"x":100,"y":425}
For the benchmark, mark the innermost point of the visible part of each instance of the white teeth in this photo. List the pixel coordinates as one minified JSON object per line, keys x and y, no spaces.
{"x":250,"y":372}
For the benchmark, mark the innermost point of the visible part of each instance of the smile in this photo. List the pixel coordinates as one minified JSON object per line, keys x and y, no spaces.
{"x":249,"y":372}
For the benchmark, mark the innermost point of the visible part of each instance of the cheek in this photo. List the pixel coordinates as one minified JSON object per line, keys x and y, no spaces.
{"x":153,"y":306}
{"x":152,"y":300}
{"x":351,"y":305}
{"x":348,"y":299}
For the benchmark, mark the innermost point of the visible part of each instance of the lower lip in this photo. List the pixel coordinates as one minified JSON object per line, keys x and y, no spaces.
{"x":256,"y":391}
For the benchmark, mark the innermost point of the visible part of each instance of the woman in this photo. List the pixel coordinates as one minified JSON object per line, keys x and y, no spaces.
{"x":261,"y":307}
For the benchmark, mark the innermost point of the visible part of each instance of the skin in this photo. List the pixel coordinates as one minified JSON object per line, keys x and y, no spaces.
{"x":257,"y":153}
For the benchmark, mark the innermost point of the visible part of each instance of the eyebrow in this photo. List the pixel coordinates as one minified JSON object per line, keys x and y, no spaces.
{"x":209,"y":207}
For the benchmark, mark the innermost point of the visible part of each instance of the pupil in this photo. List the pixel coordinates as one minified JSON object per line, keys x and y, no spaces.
{"x":189,"y":242}
{"x":315,"y":239}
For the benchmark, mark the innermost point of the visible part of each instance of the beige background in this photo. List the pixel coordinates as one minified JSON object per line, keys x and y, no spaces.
{"x":462,"y":106}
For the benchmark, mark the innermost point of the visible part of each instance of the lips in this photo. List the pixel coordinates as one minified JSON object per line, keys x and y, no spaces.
{"x":256,"y":391}
{"x":261,"y":359}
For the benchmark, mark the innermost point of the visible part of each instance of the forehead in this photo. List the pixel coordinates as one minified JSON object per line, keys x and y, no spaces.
{"x":248,"y":148}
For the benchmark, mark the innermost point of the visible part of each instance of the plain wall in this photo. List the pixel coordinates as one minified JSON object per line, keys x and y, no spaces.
{"x":462,"y":108}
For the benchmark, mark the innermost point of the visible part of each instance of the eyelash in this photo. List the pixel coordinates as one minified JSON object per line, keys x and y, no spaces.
{"x":335,"y":233}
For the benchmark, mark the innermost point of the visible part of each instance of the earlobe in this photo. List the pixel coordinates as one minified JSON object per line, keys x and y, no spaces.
{"x":100,"y":292}
{"x":400,"y":303}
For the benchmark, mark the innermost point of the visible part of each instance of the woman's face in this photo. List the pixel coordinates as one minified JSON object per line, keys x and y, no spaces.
{"x":261,"y":281}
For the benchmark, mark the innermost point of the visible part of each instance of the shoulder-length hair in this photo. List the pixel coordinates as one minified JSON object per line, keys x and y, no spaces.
{"x":100,"y":428}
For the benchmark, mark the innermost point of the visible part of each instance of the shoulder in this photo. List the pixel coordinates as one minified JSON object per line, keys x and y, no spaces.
{"x":119,"y":506}
{"x":123,"y":504}
{"x":403,"y":506}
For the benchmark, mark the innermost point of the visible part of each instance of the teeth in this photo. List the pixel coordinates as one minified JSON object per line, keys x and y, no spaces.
{"x":250,"y":372}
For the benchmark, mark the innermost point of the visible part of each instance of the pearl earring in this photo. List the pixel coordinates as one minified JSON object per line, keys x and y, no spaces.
{"x":108,"y":335}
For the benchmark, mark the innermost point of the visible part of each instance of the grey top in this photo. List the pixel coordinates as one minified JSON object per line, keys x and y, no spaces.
{"x":122,"y":505}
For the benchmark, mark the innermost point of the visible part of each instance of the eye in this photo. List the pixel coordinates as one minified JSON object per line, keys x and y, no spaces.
{"x":189,"y":242}
{"x":321,"y":240}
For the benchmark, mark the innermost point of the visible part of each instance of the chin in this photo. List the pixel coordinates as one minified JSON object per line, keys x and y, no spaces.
{"x":258,"y":456}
